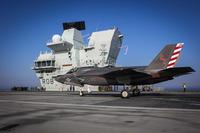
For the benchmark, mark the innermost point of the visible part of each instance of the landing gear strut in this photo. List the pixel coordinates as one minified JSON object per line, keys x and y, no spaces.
{"x":81,"y":92}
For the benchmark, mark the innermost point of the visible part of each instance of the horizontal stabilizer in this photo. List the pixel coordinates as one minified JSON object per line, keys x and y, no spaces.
{"x":177,"y":71}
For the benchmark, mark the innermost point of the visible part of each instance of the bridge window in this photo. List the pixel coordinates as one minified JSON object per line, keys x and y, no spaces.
{"x":53,"y":63}
{"x":48,"y":63}
{"x":44,"y":63}
{"x":39,"y":64}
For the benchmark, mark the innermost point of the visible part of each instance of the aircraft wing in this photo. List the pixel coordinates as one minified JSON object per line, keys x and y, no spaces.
{"x":133,"y":73}
{"x":177,"y":71}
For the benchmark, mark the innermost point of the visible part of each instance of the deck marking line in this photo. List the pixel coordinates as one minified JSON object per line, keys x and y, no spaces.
{"x":101,"y":106}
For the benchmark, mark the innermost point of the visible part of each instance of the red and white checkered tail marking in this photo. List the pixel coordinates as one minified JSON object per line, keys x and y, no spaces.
{"x":175,"y":55}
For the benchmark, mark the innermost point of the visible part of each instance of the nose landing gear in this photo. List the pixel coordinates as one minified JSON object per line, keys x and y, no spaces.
{"x":82,"y":93}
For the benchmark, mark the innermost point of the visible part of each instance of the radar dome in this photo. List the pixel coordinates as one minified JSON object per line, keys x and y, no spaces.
{"x":56,"y":38}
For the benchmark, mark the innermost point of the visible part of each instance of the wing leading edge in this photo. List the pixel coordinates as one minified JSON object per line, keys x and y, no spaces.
{"x":126,"y":72}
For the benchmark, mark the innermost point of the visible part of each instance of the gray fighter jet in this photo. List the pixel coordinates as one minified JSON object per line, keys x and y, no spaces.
{"x":162,"y":68}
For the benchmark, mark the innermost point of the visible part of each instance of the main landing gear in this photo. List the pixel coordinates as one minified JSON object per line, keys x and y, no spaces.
{"x":136,"y":92}
{"x":125,"y":93}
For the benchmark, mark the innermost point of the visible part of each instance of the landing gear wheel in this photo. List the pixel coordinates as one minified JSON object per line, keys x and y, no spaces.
{"x":125,"y":94}
{"x":81,"y":93}
{"x":136,"y":92}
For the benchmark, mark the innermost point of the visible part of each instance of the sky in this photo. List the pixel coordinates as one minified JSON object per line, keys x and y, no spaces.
{"x":147,"y":25}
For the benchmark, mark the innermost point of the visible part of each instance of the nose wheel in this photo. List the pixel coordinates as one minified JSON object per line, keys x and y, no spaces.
{"x":81,"y":93}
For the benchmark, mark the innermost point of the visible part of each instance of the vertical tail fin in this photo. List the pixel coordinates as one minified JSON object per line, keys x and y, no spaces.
{"x":167,"y":58}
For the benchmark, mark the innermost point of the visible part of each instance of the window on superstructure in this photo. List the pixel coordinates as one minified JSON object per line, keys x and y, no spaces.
{"x":44,"y":63}
{"x":53,"y":63}
{"x":48,"y":71}
{"x":48,"y":63}
{"x":39,"y":64}
{"x":36,"y":64}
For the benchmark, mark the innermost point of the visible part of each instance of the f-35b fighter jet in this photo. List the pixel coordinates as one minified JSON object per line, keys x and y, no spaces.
{"x":162,"y":68}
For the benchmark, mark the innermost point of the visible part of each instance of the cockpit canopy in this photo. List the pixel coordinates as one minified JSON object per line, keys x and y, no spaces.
{"x":72,"y":70}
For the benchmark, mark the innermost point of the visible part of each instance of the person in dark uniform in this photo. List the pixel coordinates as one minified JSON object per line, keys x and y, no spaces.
{"x":70,"y":88}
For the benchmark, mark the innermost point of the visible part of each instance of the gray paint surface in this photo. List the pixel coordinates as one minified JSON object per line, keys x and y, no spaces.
{"x":51,"y":112}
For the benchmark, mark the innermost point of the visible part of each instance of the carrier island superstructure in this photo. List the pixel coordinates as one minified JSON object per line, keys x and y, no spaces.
{"x":69,"y":51}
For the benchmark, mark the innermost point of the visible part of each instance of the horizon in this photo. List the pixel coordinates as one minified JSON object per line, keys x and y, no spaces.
{"x":147,"y":26}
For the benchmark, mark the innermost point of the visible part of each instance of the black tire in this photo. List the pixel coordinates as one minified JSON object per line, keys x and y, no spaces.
{"x":136,"y":92}
{"x":125,"y":94}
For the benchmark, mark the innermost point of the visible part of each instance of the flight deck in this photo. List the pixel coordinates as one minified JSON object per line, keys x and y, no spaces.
{"x":51,"y":112}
